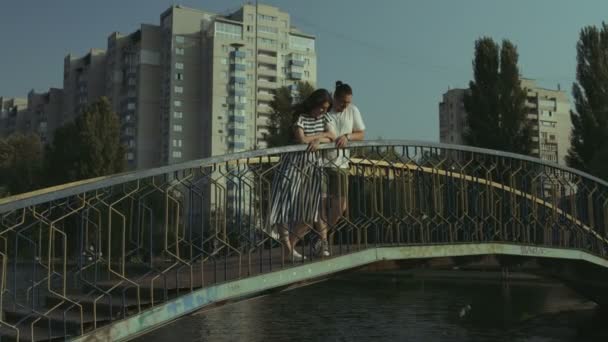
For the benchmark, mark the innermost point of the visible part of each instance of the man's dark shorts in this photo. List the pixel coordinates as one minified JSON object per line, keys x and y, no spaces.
{"x":335,"y":184}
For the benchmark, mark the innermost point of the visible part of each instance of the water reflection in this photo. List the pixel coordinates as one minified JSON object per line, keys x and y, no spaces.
{"x":395,"y":307}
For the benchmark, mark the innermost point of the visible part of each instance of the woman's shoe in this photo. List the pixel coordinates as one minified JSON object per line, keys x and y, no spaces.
{"x":297,"y":256}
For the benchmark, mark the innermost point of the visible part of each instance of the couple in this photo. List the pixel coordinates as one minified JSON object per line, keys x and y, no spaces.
{"x":302,"y":198}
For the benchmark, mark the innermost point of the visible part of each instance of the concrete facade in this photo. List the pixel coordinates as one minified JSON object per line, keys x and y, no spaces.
{"x":452,"y":117}
{"x":83,"y":82}
{"x":44,"y":113}
{"x":132,"y":81}
{"x":549,"y":111}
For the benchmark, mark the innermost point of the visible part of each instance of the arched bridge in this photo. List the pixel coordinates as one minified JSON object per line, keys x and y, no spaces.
{"x":114,"y":257}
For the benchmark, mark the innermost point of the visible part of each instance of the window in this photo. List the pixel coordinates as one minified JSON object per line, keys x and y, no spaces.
{"x":176,"y":154}
{"x":228,"y":30}
{"x":130,"y":156}
{"x":178,"y":115}
{"x":177,"y":103}
{"x":131,"y":106}
{"x":177,"y":142}
{"x":268,"y":29}
{"x":225,"y":48}
{"x":178,"y":90}
{"x":266,"y":17}
{"x":249,"y":28}
{"x":301,"y":43}
{"x":179,"y":66}
{"x":250,"y":17}
{"x":267,"y":41}
{"x":179,"y":76}
{"x":306,"y":73}
{"x":224,"y":61}
{"x":249,"y":77}
{"x":179,"y":39}
{"x":285,"y":24}
{"x":177,"y":128}
{"x":179,"y":51}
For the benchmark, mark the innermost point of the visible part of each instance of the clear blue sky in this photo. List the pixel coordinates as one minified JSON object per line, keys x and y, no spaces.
{"x":399,"y":55}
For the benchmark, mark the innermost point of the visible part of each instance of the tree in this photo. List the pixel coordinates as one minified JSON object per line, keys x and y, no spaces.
{"x":62,"y":157}
{"x":589,"y":139}
{"x":89,"y":147}
{"x":280,"y":123}
{"x":101,"y":151}
{"x":21,"y":163}
{"x":495,"y":105}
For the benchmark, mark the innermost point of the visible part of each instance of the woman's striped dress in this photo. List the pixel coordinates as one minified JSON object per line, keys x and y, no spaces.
{"x":296,"y":187}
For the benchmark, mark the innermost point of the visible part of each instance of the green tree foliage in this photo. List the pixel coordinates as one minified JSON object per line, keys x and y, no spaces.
{"x":495,"y":105}
{"x":89,"y":147}
{"x":280,"y":123}
{"x":20,"y":163}
{"x":589,"y":139}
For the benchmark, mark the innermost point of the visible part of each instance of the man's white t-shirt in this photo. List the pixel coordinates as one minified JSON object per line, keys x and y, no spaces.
{"x":345,"y":122}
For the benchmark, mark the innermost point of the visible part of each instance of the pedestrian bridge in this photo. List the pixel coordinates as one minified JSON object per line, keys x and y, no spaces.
{"x":115,"y":257}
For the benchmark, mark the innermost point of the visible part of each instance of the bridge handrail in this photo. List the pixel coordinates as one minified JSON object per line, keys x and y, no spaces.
{"x":20,"y":201}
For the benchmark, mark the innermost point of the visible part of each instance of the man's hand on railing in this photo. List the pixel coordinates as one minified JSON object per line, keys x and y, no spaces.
{"x":342,"y":141}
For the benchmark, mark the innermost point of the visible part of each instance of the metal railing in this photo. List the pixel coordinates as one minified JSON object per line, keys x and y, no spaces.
{"x":81,"y":255}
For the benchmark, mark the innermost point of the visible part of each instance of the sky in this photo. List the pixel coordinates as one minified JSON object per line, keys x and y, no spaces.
{"x":399,"y":56}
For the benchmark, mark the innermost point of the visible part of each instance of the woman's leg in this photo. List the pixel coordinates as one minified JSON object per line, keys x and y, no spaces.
{"x":285,"y":241}
{"x":299,"y":232}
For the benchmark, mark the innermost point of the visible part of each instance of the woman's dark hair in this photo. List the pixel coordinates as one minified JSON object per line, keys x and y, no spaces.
{"x":316,"y":99}
{"x":342,"y":89}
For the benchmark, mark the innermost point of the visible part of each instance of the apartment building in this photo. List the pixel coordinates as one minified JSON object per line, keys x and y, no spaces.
{"x":548,"y":109}
{"x":83,"y":82}
{"x":12,"y":113}
{"x":133,"y":75}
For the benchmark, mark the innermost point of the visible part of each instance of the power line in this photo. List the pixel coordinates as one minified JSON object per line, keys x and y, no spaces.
{"x":384,"y":52}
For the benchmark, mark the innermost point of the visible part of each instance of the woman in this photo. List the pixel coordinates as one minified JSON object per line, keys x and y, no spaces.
{"x":296,"y":187}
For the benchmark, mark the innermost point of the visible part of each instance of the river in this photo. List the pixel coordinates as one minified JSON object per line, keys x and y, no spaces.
{"x":402,"y":306}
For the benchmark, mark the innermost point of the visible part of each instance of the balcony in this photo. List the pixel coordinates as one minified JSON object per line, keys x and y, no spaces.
{"x":297,"y":62}
{"x":295,"y":75}
{"x":266,"y":84}
{"x":264,"y":109}
{"x":236,"y":145}
{"x":238,"y":92}
{"x":239,"y":54}
{"x":238,"y":79}
{"x":267,"y":72}
{"x":238,"y":106}
{"x":236,"y":131}
{"x":236,"y":118}
{"x":265,"y":96}
{"x":532,"y":116}
{"x":238,"y":67}
{"x":268,"y":59}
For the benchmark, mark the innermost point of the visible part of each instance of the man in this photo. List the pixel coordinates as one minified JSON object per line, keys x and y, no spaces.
{"x":348,"y":126}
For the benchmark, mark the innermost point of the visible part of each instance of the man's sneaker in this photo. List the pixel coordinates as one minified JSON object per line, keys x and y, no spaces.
{"x":321,"y":248}
{"x":297,"y":256}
